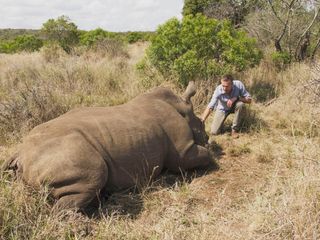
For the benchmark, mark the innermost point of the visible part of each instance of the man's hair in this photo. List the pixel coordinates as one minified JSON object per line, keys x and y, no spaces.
{"x":227,"y":77}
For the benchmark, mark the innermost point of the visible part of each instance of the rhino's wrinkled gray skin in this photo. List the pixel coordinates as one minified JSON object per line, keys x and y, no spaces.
{"x":90,"y":149}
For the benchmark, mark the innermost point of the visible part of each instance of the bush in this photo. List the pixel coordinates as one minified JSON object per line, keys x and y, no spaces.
{"x":238,"y":50}
{"x":133,"y":37}
{"x":93,"y":37}
{"x":280,"y":59}
{"x":199,"y":47}
{"x":61,"y":31}
{"x":5,"y":47}
{"x":28,"y":43}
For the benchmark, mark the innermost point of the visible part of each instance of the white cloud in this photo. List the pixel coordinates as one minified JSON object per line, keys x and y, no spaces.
{"x":120,"y":15}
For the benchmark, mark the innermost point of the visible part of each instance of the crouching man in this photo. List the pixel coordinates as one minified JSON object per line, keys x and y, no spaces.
{"x":229,"y":97}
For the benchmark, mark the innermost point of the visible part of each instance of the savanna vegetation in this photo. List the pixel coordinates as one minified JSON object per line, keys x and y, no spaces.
{"x":63,"y":32}
{"x":267,"y":185}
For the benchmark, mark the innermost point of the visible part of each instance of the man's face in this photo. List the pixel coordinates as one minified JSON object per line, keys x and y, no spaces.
{"x":227,"y":86}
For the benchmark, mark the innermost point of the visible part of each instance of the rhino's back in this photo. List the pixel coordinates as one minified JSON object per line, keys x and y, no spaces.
{"x":135,"y":141}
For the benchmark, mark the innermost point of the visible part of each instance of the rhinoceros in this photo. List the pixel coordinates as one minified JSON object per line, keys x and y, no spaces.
{"x":90,"y":149}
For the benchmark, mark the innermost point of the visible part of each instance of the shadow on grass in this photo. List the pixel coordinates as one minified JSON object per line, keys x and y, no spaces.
{"x":263,"y":91}
{"x":251,"y":122}
{"x":130,"y":203}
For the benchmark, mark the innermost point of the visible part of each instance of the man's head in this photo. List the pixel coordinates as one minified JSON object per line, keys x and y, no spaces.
{"x":227,"y":83}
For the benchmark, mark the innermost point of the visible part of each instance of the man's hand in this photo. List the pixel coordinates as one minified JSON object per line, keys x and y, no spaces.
{"x":205,"y":114}
{"x":231,"y":101}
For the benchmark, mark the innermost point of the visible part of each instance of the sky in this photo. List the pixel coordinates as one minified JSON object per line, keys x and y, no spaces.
{"x":110,"y":15}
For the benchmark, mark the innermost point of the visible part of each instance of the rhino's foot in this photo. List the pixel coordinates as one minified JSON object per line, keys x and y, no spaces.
{"x":77,"y":201}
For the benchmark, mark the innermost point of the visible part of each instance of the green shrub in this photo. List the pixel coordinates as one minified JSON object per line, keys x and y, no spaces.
{"x":280,"y":59}
{"x":104,"y":43}
{"x":238,"y":50}
{"x":5,"y":47}
{"x":93,"y":37}
{"x":199,"y":47}
{"x":62,"y":31}
{"x":28,"y":43}
{"x":133,"y":37}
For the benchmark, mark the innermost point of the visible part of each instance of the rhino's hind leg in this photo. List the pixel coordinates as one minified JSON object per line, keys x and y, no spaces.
{"x":74,"y":201}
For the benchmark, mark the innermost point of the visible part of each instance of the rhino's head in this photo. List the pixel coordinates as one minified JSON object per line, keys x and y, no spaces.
{"x":184,"y":107}
{"x":186,"y":110}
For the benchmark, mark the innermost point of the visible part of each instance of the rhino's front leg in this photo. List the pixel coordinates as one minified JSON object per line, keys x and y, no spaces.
{"x":196,"y":156}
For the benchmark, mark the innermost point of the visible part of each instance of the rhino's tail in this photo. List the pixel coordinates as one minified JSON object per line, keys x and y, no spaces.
{"x":11,"y":163}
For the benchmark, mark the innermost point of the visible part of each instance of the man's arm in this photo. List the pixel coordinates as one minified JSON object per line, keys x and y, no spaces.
{"x":211,"y":105}
{"x":242,"y":99}
{"x":245,"y":96}
{"x":245,"y":99}
{"x":205,"y":114}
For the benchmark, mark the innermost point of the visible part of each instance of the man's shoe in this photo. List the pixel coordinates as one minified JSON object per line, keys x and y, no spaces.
{"x":234,"y":134}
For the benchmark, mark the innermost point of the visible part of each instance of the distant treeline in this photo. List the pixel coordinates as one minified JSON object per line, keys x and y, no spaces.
{"x":65,"y":33}
{"x":130,"y":36}
{"x":10,"y":34}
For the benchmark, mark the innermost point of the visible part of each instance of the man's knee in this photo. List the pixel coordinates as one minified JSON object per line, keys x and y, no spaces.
{"x":216,"y":128}
{"x":217,"y":123}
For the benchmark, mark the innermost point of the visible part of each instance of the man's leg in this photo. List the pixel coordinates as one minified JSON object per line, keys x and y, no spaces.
{"x":238,"y":115}
{"x":218,"y":120}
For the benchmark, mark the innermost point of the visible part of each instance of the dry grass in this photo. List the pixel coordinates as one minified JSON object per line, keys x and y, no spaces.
{"x":267,"y":186}
{"x":35,"y":88}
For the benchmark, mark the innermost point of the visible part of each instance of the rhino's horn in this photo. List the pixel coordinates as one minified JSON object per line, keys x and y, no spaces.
{"x":190,"y":91}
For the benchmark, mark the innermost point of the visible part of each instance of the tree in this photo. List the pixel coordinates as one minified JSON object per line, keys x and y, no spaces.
{"x":292,"y":25}
{"x":199,"y":47}
{"x":234,"y":10}
{"x":194,"y":6}
{"x":62,"y":31}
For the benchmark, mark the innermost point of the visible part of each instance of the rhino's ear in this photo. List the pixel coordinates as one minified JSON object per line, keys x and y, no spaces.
{"x":190,"y":91}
